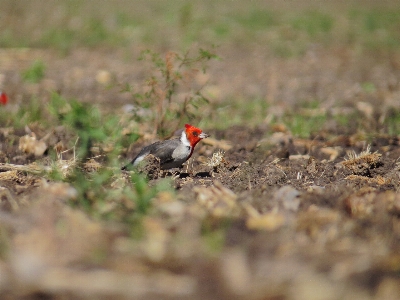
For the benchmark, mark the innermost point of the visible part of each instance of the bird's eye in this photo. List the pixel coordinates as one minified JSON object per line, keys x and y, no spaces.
{"x":195,"y":133}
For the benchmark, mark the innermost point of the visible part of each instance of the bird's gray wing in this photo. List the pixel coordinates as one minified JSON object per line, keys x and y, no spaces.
{"x":163,"y":150}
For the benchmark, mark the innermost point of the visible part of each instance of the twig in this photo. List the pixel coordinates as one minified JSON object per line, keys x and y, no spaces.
{"x":31,"y":168}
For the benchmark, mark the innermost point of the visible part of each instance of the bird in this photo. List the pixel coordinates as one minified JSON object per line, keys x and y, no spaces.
{"x":174,"y":152}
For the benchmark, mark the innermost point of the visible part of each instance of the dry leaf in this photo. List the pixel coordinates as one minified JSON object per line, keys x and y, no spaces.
{"x":333,"y":152}
{"x":30,"y":145}
{"x":218,"y":200}
{"x":268,"y":221}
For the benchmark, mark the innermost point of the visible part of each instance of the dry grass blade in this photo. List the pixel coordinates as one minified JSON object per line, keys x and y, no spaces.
{"x":64,"y":166}
{"x":360,"y":164}
{"x":216,"y":159}
{"x":378,"y":179}
{"x":91,"y":165}
{"x":32,"y":168}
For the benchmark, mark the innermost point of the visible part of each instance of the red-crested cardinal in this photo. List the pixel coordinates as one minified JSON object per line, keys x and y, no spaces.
{"x":172,"y":153}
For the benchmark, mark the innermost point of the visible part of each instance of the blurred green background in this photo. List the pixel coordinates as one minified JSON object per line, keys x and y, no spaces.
{"x":286,"y":27}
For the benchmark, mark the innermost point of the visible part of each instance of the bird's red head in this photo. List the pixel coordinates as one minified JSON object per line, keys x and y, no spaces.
{"x":194,"y":134}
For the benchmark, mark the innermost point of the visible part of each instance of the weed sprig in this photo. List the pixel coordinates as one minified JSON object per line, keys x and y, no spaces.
{"x":171,"y":90}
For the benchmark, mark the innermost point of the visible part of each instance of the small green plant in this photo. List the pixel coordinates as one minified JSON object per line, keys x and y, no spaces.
{"x":303,"y":126}
{"x":393,"y":122}
{"x":35,"y":72}
{"x":98,"y":32}
{"x":172,"y":92}
{"x":381,"y":20}
{"x":106,"y":194}
{"x":103,"y":192}
{"x":375,"y":29}
{"x":258,"y":19}
{"x":31,"y":110}
{"x":368,"y":87}
{"x":308,"y":119}
{"x":235,"y":111}
{"x":85,"y":121}
{"x":61,"y":38}
{"x":214,"y":233}
{"x":142,"y":194}
{"x":314,"y":23}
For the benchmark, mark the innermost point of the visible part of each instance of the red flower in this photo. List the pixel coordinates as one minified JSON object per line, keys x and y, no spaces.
{"x":3,"y":98}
